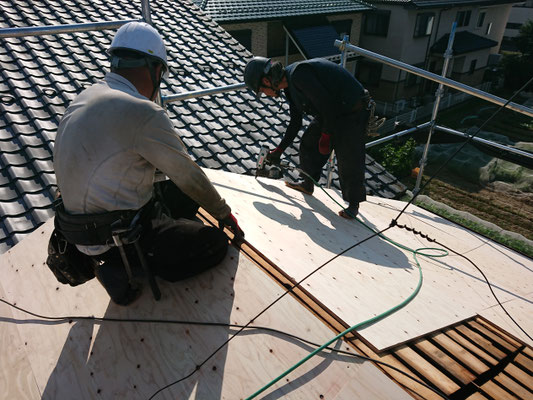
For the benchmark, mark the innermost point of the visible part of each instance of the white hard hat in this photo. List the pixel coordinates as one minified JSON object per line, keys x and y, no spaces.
{"x":140,"y":37}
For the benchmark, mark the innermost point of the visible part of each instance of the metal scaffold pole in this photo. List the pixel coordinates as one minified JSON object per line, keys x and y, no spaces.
{"x":331,"y":160}
{"x":448,"y":54}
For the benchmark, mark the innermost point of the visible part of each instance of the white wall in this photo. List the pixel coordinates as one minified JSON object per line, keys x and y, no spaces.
{"x":519,"y":15}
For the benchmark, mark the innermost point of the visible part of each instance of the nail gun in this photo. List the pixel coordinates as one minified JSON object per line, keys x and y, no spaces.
{"x":268,"y":169}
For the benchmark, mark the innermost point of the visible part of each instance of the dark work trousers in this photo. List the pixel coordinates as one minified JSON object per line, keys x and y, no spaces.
{"x":176,"y":245}
{"x":348,"y":141}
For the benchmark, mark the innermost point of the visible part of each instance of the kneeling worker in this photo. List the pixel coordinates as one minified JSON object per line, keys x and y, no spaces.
{"x":109,"y":143}
{"x":339,"y":105}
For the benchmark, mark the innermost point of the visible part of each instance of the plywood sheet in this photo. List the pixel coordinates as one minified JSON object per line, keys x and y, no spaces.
{"x":300,"y":233}
{"x":521,"y":309}
{"x":87,"y":359}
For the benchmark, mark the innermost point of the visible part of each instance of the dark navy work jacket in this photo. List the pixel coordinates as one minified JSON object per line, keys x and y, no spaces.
{"x":322,"y":89}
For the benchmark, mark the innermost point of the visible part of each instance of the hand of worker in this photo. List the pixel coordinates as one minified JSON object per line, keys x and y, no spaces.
{"x":324,"y":143}
{"x":231,"y":222}
{"x":274,"y":156}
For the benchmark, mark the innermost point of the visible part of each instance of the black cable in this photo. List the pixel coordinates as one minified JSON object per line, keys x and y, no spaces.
{"x":289,"y":290}
{"x":415,"y":195}
{"x":490,"y":287}
{"x":393,"y":222}
{"x":226,"y":325}
{"x":475,"y":266}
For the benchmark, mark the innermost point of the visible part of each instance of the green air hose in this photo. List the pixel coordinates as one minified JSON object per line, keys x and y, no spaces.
{"x":368,"y":321}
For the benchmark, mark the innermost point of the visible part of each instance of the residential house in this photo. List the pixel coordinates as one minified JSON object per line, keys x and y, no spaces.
{"x":520,"y":14}
{"x":416,"y":32}
{"x":289,"y":31}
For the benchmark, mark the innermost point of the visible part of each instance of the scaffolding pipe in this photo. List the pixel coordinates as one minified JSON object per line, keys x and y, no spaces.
{"x":331,"y":159}
{"x":145,"y":4}
{"x":485,"y":141}
{"x":397,"y":135}
{"x":438,"y":95}
{"x":203,"y":92}
{"x":436,"y":78}
{"x":54,"y":29}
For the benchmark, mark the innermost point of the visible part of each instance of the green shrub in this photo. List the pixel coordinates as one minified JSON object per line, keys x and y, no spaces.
{"x":397,"y":159}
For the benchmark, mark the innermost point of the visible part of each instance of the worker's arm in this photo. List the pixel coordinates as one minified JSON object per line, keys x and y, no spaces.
{"x":159,"y":144}
{"x":292,"y":130}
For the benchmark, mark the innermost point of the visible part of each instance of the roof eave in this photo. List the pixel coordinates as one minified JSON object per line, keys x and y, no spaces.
{"x":244,"y":19}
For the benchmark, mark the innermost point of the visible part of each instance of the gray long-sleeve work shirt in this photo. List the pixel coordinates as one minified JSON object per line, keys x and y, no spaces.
{"x":109,"y":144}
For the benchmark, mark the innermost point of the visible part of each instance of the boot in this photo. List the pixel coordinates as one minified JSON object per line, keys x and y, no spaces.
{"x":302,"y":184}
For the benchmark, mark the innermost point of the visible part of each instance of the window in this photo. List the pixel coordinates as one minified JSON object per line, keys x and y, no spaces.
{"x":413,"y":79}
{"x":244,"y":37}
{"x":424,"y":24}
{"x":343,"y":27}
{"x":489,"y":27}
{"x":369,"y":73}
{"x":481,"y":19}
{"x":377,"y":23}
{"x":472,"y":67}
{"x":513,"y":25}
{"x":463,"y":18}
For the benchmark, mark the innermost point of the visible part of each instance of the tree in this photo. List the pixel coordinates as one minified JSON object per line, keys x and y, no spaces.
{"x":524,"y":40}
{"x":518,"y":68}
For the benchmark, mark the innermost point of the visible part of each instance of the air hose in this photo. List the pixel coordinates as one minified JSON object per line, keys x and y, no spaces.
{"x":368,"y":321}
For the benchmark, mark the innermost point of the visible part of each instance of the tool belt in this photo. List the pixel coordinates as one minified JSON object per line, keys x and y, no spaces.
{"x":91,"y":229}
{"x":118,"y":228}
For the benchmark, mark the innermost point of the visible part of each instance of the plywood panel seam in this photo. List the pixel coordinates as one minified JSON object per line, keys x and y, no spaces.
{"x":317,"y":308}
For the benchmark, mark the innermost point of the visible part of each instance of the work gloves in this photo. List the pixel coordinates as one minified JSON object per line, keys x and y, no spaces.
{"x":274,"y":156}
{"x":324,"y":144}
{"x":231,"y":223}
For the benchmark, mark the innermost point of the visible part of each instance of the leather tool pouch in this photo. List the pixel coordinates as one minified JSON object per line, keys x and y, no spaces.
{"x":68,"y":264}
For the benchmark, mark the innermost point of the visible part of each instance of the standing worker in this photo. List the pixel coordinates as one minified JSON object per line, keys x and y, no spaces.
{"x":339,"y":105}
{"x":109,"y":143}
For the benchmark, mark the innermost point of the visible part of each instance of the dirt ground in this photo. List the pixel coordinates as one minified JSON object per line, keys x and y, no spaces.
{"x":512,"y":211}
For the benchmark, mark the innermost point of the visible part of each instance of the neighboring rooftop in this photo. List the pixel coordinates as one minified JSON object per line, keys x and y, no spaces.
{"x":225,"y":11}
{"x":443,"y":3}
{"x":41,"y":75}
{"x":464,"y":42}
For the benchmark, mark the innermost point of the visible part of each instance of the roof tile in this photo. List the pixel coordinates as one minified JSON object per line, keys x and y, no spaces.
{"x":41,"y":75}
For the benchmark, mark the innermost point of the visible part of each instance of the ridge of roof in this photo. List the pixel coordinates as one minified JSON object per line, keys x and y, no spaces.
{"x":254,"y":10}
{"x":40,"y":75}
{"x":442,"y":3}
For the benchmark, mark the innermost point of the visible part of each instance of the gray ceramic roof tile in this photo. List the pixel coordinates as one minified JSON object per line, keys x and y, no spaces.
{"x":441,"y":3}
{"x":41,"y":75}
{"x":253,"y":10}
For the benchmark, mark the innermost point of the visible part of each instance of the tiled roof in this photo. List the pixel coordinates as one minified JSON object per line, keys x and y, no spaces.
{"x":442,"y":3}
{"x":255,"y":10}
{"x":314,"y":39}
{"x":464,"y":42}
{"x":41,"y":75}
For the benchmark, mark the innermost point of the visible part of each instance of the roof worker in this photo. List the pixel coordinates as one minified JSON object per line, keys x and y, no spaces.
{"x":338,"y":103}
{"x":109,"y":143}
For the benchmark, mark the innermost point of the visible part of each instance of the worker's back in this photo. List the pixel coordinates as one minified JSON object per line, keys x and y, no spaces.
{"x":97,"y":165}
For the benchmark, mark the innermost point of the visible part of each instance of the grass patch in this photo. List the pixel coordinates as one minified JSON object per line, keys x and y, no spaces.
{"x":512,"y":243}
